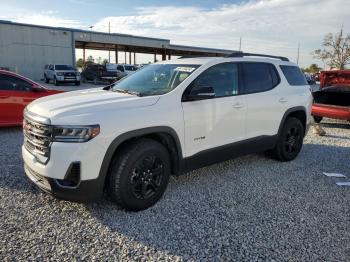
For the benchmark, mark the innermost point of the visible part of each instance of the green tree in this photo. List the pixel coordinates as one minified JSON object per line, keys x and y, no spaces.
{"x":314,"y":68}
{"x":79,"y":63}
{"x":336,"y":50}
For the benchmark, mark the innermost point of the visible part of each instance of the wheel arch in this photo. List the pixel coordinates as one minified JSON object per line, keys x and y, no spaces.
{"x":163,"y":134}
{"x":297,"y":112}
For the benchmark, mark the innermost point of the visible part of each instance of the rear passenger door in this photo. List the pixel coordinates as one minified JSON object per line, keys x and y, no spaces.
{"x":261,"y":89}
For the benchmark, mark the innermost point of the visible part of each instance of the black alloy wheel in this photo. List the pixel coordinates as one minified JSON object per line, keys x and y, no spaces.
{"x":146,"y":177}
{"x":139,"y":174}
{"x":290,"y":140}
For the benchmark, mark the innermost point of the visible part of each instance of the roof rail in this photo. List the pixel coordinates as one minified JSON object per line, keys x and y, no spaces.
{"x":242,"y":54}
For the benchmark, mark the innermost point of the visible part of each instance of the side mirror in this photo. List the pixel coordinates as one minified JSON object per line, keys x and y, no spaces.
{"x":201,"y":93}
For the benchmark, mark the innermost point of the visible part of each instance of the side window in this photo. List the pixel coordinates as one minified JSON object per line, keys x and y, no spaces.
{"x":14,"y":83}
{"x":5,"y":83}
{"x":51,"y":67}
{"x":223,"y":78}
{"x":294,"y":75}
{"x":120,"y":68}
{"x":258,"y":77}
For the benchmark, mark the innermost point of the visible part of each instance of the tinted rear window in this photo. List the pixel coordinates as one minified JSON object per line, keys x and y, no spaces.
{"x":294,"y":75}
{"x":259,"y":77}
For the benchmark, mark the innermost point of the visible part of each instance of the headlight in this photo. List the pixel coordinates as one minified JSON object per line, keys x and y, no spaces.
{"x":59,"y":74}
{"x":78,"y":134}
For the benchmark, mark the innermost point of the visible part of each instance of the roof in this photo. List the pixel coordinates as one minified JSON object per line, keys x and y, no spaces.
{"x":204,"y":60}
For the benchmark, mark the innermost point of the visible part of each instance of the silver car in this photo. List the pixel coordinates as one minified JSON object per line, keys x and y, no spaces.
{"x":61,"y":74}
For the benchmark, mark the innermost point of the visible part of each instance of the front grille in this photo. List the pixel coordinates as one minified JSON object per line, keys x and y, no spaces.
{"x":37,"y":139}
{"x":69,"y":74}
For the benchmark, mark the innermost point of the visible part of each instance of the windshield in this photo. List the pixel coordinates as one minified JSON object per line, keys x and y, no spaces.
{"x":155,"y":79}
{"x":63,"y":67}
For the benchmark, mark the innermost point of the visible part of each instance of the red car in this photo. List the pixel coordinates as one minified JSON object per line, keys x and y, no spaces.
{"x":333,"y":98}
{"x":15,"y":93}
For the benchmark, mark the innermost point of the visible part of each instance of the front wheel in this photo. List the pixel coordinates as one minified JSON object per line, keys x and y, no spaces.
{"x":290,"y":140}
{"x":46,"y":79}
{"x":139,"y":174}
{"x":56,"y":83}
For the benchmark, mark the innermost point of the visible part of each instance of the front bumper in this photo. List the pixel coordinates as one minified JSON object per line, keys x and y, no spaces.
{"x":49,"y":176}
{"x":68,"y":79}
{"x":331,"y":111}
{"x":87,"y":190}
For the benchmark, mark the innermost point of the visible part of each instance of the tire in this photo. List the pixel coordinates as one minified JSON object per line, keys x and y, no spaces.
{"x":56,"y":83}
{"x":290,"y":140}
{"x":139,"y":174}
{"x":46,"y":79}
{"x":77,"y":83}
{"x":318,"y":119}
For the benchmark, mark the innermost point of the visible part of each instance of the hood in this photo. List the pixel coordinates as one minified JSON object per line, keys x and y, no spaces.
{"x":335,"y":78}
{"x":85,"y":102}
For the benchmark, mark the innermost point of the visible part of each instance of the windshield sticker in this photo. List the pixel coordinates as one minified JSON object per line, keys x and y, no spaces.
{"x":185,"y":69}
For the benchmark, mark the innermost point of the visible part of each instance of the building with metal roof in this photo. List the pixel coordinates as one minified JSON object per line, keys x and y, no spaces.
{"x":26,"y":48}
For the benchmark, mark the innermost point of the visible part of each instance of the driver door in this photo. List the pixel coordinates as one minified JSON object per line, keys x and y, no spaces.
{"x":218,"y":121}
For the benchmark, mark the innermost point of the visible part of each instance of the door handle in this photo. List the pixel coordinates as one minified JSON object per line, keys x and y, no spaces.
{"x":283,"y":100}
{"x":237,"y":105}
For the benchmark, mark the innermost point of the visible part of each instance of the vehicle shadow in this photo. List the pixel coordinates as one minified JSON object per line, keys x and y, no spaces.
{"x":223,"y":201}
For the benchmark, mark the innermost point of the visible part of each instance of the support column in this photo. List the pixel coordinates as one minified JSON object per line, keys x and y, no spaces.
{"x":116,"y":53}
{"x":134,"y":58}
{"x":164,"y":55}
{"x":125,"y":58}
{"x":155,"y":57}
{"x":84,"y":54}
{"x":169,"y":57}
{"x":129,"y":57}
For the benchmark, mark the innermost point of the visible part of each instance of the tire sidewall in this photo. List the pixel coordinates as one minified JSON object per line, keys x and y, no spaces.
{"x":126,"y":195}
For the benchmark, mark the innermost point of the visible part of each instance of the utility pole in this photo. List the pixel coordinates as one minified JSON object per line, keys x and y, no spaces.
{"x":240,"y":43}
{"x":109,"y":51}
{"x":298,"y":53}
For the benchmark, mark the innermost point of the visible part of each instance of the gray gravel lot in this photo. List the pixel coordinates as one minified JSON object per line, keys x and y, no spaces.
{"x":248,"y":209}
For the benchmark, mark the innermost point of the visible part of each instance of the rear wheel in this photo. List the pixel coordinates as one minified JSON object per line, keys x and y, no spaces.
{"x":139,"y":174}
{"x":290,"y":140}
{"x":318,"y":119}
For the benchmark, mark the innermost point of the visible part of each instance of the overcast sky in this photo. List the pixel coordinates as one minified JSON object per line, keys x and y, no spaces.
{"x":266,"y":26}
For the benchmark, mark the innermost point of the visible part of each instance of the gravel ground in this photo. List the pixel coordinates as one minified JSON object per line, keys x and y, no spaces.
{"x":248,"y":209}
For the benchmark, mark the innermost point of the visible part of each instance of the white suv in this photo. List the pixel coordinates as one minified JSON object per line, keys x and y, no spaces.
{"x":166,"y":118}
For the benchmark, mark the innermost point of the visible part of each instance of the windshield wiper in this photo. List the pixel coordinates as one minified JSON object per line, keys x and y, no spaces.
{"x":125,"y":91}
